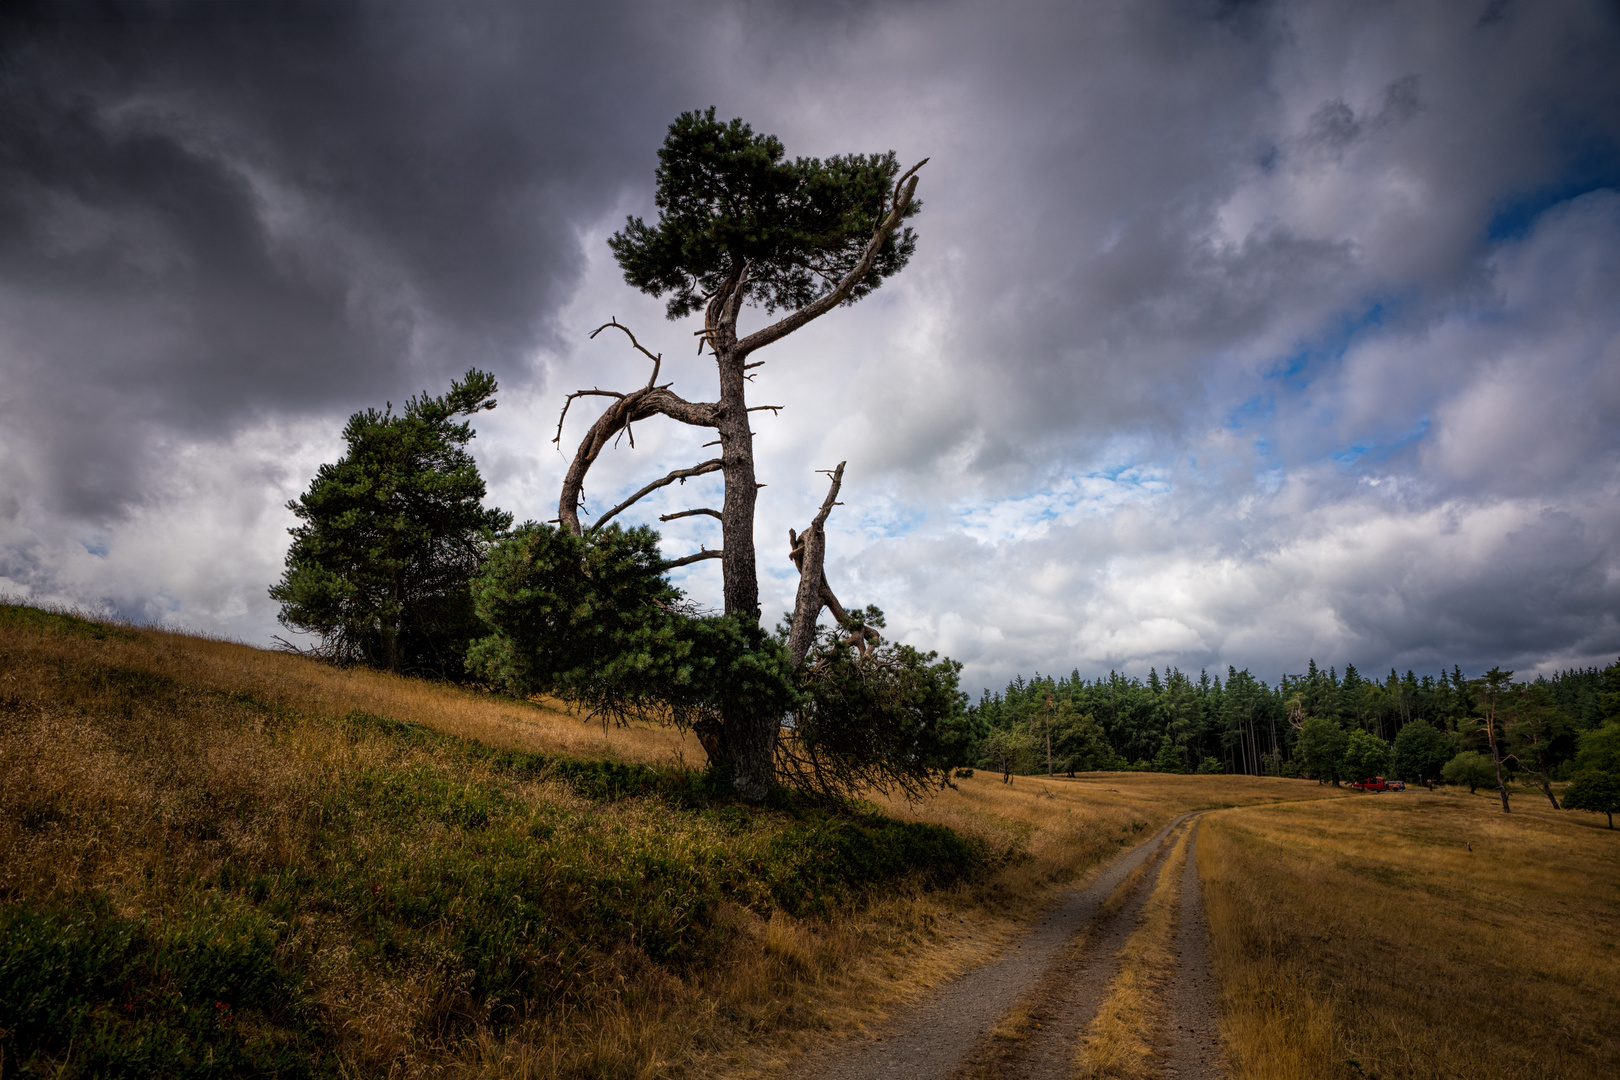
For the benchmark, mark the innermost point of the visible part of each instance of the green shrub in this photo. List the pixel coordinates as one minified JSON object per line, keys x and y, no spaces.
{"x":84,"y":992}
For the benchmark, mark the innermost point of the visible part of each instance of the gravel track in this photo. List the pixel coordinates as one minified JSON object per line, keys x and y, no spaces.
{"x":1193,"y":1022}
{"x":937,"y":1037}
{"x":1066,"y":996}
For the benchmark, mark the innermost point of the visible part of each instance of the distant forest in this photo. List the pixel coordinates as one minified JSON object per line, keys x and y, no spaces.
{"x":1180,"y":723}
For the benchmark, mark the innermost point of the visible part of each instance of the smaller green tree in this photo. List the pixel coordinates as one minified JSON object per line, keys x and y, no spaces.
{"x":1365,"y":755}
{"x":1598,"y":792}
{"x":1168,"y":759}
{"x":1469,"y":767}
{"x":1079,"y":744}
{"x":1009,"y":751}
{"x":1421,"y":751}
{"x":1320,"y":748}
{"x":392,"y":533}
{"x":1596,"y":784}
{"x":890,"y":716}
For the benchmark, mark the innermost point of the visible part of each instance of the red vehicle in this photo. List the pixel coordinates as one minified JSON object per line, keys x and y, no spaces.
{"x":1373,"y":783}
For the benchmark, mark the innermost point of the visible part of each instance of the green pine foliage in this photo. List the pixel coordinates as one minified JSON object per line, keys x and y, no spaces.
{"x":392,"y":533}
{"x":727,"y":199}
{"x":592,"y":619}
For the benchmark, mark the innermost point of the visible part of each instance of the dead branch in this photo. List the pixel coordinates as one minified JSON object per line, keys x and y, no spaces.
{"x":683,"y":475}
{"x":905,"y":188}
{"x":691,"y":513}
{"x":569,"y":400}
{"x":658,"y":360}
{"x":808,"y":552}
{"x":695,"y":557}
{"x":637,"y":405}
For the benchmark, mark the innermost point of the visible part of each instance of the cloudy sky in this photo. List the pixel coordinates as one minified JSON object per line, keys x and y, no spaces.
{"x":1237,"y":333}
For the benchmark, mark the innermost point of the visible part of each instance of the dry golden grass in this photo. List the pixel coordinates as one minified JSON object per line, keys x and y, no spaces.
{"x":137,"y":764}
{"x":1120,"y":1039}
{"x":1415,"y":935}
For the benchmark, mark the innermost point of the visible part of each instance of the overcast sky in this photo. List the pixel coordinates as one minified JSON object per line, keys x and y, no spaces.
{"x":1237,"y":333}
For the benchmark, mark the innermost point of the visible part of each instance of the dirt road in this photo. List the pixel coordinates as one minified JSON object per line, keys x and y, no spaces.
{"x":1023,"y":1014}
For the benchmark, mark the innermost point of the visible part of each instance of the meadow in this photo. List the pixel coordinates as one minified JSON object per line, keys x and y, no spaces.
{"x":1415,"y":935}
{"x":217,"y":860}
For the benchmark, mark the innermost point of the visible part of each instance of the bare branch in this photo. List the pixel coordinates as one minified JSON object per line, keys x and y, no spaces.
{"x":657,"y":360}
{"x":808,"y":552}
{"x":569,"y":400}
{"x":682,"y":475}
{"x":904,"y":190}
{"x":695,"y":557}
{"x":761,"y":408}
{"x":638,"y":405}
{"x":702,"y":510}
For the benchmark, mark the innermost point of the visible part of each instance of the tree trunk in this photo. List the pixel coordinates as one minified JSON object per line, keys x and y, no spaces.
{"x":750,"y":741}
{"x":1546,"y":788}
{"x":1496,"y":756}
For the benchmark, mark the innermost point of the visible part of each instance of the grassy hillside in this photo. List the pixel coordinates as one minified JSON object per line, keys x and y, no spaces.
{"x":1416,"y":935}
{"x":216,"y":860}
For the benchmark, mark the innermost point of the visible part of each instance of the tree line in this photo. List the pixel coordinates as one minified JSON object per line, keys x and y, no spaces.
{"x":1483,"y":731}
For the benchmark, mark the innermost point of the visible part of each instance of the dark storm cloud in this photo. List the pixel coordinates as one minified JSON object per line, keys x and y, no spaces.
{"x":212,"y":211}
{"x":1236,"y":332}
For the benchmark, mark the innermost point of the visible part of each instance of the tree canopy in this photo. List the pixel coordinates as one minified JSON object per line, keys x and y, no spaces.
{"x":730,"y":204}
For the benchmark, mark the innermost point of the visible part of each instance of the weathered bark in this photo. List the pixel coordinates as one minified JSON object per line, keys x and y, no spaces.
{"x":808,"y":550}
{"x":1496,"y":755}
{"x":627,"y":409}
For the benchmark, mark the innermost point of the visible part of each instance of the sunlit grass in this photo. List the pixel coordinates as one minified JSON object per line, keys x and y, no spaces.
{"x":1415,"y":935}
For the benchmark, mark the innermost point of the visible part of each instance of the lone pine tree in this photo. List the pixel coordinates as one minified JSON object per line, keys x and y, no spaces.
{"x":740,"y":226}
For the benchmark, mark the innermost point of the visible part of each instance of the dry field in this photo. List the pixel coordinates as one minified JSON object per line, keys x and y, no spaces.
{"x":1415,"y":935}
{"x":251,"y":854}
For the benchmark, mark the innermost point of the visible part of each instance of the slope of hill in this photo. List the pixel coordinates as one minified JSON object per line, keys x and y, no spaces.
{"x":216,"y":860}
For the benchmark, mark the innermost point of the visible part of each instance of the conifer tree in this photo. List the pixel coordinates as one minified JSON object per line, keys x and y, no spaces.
{"x":740,"y":226}
{"x":392,"y":533}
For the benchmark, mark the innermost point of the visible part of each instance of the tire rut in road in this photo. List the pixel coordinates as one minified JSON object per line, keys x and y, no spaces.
{"x":1049,"y":1017}
{"x":1194,"y":1021}
{"x":932,"y":1039}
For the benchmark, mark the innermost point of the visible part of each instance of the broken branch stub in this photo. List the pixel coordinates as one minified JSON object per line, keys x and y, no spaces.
{"x":808,"y":550}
